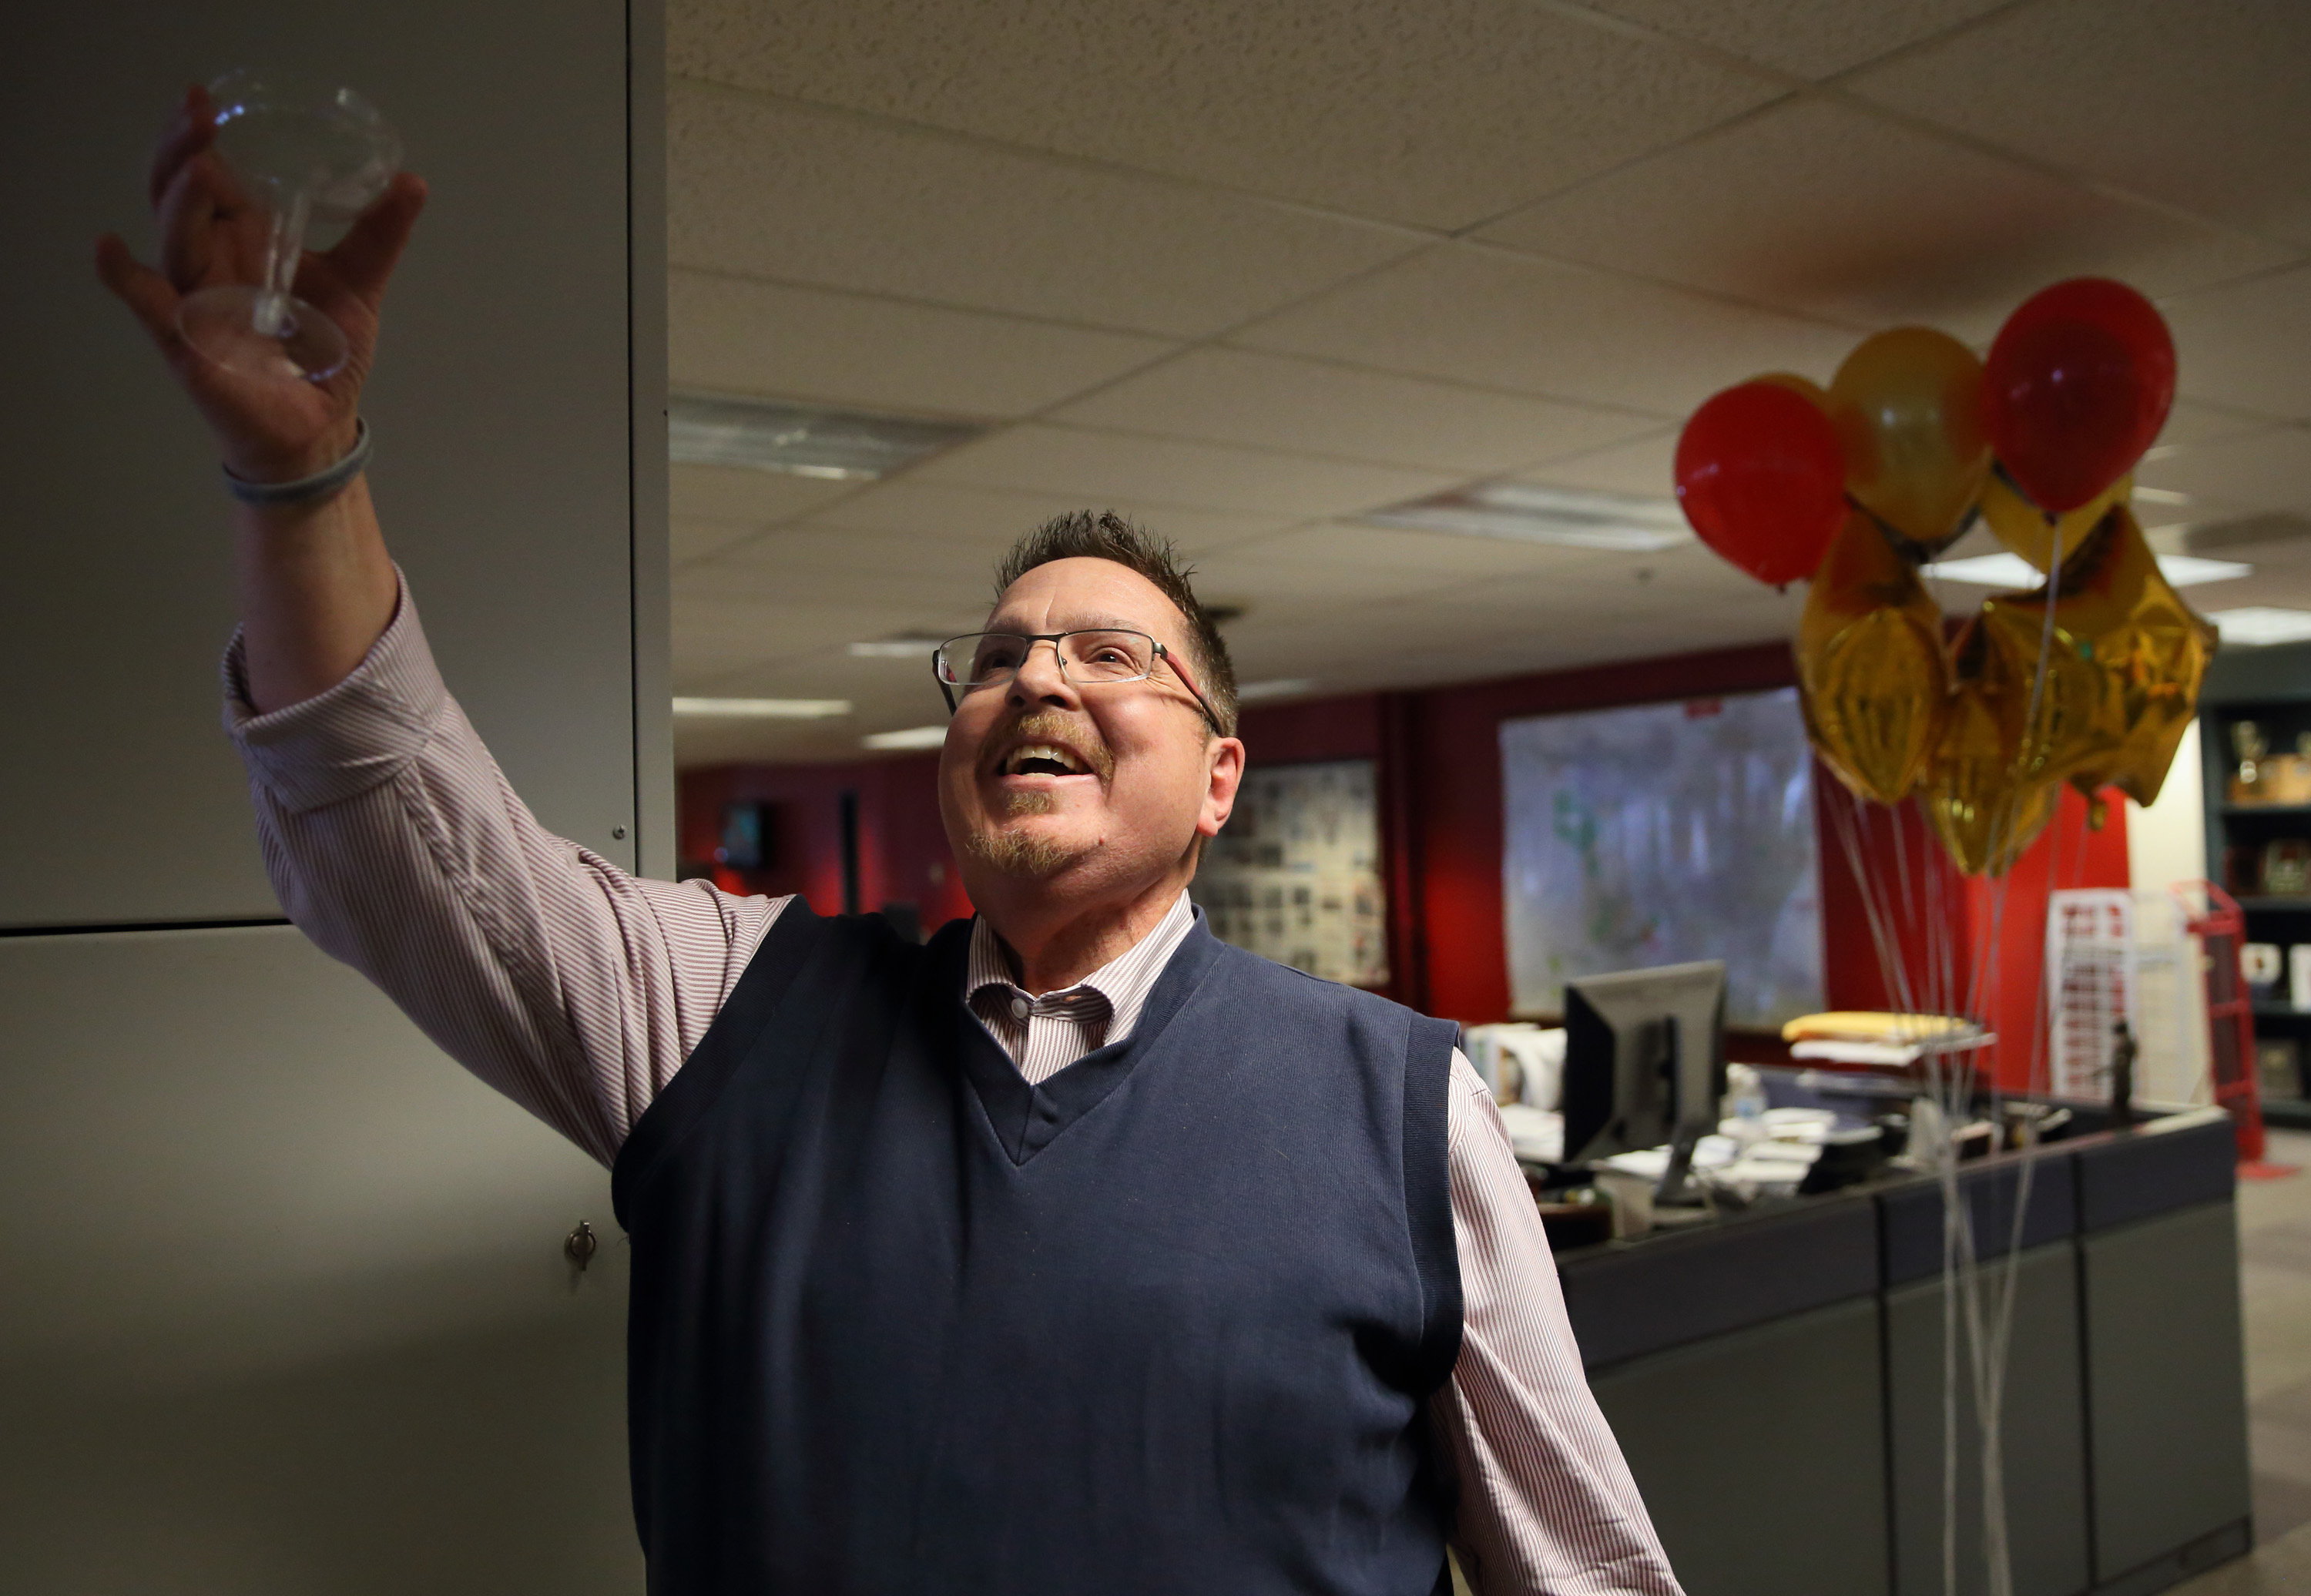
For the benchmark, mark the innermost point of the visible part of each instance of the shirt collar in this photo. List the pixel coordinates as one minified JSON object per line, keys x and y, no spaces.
{"x":1125,"y":980}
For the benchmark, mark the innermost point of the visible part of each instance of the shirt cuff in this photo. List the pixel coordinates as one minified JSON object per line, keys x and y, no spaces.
{"x":358,"y":734}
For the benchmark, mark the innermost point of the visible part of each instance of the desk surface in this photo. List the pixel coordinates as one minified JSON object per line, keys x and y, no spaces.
{"x":1644,"y":1294}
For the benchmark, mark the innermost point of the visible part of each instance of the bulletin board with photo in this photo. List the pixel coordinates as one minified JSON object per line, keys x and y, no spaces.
{"x":1295,"y":876}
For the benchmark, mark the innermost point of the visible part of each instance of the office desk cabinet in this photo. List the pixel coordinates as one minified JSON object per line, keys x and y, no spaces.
{"x":1776,"y":1379}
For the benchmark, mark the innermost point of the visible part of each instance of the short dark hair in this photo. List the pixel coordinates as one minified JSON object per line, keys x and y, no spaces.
{"x":1086,"y":534}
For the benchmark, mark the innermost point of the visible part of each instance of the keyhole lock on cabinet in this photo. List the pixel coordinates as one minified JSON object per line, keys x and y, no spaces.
{"x":579,"y":1245}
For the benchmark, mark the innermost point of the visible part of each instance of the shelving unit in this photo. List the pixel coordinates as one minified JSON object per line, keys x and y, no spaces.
{"x":2273,"y":688}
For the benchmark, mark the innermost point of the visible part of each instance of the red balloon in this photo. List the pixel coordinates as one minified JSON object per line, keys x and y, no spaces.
{"x":1761,"y":475}
{"x":2076,"y":387}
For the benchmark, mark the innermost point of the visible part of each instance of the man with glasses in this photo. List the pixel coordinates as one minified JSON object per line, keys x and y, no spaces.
{"x":1073,"y":1251}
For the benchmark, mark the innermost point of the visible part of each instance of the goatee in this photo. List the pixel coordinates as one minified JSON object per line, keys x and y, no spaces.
{"x":1014,"y":852}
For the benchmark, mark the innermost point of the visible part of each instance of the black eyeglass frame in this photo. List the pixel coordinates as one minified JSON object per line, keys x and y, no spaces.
{"x":1031,"y":639}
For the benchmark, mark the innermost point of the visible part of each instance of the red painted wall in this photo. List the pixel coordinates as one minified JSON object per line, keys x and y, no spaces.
{"x":902,"y":852}
{"x":1966,"y":945}
{"x":1438,"y":753}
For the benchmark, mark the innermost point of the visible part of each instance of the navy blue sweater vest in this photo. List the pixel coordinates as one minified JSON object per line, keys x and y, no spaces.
{"x":1165,"y":1323}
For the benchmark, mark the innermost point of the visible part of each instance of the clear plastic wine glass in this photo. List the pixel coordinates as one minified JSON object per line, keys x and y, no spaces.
{"x":304,"y":152}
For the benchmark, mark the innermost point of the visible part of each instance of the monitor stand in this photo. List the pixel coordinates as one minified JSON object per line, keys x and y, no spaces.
{"x":1677,"y":1189}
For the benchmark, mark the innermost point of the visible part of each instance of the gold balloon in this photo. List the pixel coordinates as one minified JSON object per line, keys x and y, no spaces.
{"x":1984,"y":816}
{"x":2156,"y":658}
{"x":1870,"y":665}
{"x":1907,"y":403}
{"x":2044,"y":540}
{"x":2124,"y":659}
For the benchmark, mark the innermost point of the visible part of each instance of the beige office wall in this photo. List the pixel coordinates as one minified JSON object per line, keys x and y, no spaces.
{"x":505,"y":408}
{"x":2166,"y":842}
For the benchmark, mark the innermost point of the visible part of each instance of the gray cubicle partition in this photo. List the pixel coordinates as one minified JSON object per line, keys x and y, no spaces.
{"x":285,"y":1303}
{"x":2043,"y":1429}
{"x":1723,"y":1434}
{"x":1776,"y":1379}
{"x":2167,"y":1407}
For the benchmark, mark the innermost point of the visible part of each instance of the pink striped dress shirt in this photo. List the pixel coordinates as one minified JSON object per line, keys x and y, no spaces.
{"x":577,"y":990}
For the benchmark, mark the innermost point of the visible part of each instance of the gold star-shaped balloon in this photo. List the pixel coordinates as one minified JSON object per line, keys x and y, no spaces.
{"x":1870,"y":666}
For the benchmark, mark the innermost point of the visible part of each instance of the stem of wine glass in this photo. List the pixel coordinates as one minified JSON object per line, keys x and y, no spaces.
{"x":283,"y":248}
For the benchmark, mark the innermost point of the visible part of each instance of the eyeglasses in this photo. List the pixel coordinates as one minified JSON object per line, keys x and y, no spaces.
{"x":1099,"y":658}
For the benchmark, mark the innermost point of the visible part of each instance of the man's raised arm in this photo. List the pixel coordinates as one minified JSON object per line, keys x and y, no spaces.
{"x":390,"y":835}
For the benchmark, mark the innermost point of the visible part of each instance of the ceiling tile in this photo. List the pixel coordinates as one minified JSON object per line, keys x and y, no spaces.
{"x":844,"y":566}
{"x":2267,"y":470}
{"x":2244,"y":345}
{"x":1810,"y":38}
{"x":1472,"y":314}
{"x":731,"y":335}
{"x":994,"y":518}
{"x":1284,"y":591}
{"x":2190,"y":422}
{"x":724,"y":576}
{"x":1642,"y":466}
{"x":871,"y":685}
{"x":721,"y":633}
{"x":1605,"y":602}
{"x":1100,"y":465}
{"x":1445,"y":556}
{"x":1439,"y":114}
{"x":1234,"y":395}
{"x":755,"y":497}
{"x":1824,"y":209}
{"x":769,"y":189}
{"x":2202,"y":106}
{"x":693,"y":539}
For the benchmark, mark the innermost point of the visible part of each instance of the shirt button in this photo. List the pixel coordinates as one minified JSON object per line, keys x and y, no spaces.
{"x":1019,"y":1007}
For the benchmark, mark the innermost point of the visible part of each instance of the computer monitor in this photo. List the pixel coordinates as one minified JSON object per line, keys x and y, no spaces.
{"x":1644,"y":1064}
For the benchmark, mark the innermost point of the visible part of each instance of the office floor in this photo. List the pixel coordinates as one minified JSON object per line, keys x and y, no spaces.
{"x":2275,"y":1277}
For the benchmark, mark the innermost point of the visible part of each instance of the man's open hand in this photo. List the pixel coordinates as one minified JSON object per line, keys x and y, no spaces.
{"x":268,"y":429}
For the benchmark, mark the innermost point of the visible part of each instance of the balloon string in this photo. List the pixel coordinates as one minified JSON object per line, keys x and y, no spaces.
{"x":1978,"y":1313}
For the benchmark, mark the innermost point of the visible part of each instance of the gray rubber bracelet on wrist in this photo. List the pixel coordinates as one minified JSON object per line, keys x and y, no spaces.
{"x":306,"y":489}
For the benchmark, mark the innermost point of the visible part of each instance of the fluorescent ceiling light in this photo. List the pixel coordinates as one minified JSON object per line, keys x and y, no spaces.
{"x":764,"y":708}
{"x":804,"y":440}
{"x":2259,"y":624}
{"x":1282,"y":687}
{"x":2190,"y":571}
{"x":1531,"y":513}
{"x":2161,"y":496}
{"x":2013,"y":571}
{"x":913,"y":737}
{"x":895,"y":648}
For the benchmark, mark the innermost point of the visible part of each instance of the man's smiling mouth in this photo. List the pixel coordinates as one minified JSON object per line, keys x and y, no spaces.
{"x":1040,"y":759}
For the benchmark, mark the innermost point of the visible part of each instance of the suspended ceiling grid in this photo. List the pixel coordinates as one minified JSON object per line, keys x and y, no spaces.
{"x":1248,"y":273}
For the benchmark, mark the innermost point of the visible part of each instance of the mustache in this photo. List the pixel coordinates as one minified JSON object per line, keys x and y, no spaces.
{"x":1050,"y":726}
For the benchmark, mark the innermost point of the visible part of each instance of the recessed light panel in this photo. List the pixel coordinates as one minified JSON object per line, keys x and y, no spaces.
{"x":1282,"y":687}
{"x":895,"y":648}
{"x":763,"y":708}
{"x":1531,"y":513}
{"x":912,"y":737}
{"x":2013,"y":571}
{"x":802,"y":439}
{"x":2257,"y":626}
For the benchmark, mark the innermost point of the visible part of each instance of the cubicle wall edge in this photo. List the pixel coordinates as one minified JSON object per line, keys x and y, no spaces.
{"x":657,"y":822}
